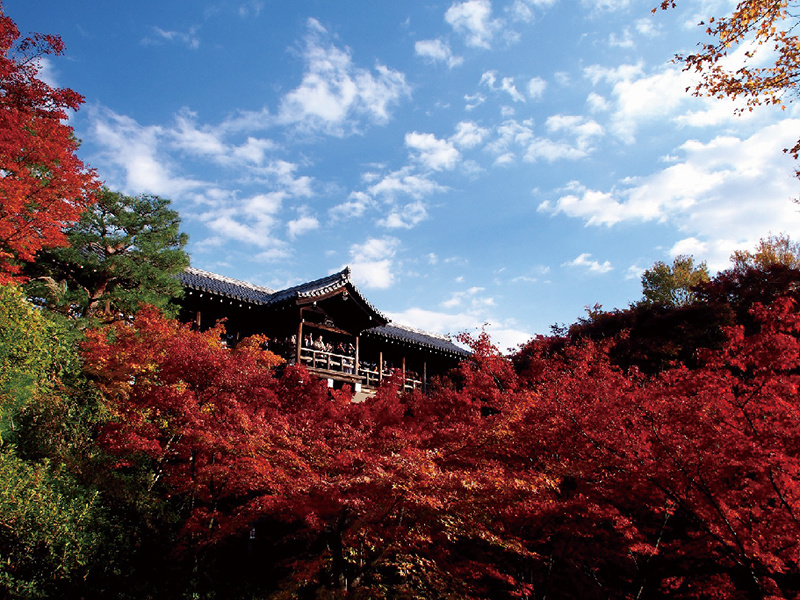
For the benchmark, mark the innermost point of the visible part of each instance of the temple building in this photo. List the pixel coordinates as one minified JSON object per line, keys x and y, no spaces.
{"x":326,"y":325}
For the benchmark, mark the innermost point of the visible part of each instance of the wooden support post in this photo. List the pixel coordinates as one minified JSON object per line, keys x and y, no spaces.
{"x":404,"y":371}
{"x":299,"y":337}
{"x":380,"y":365}
{"x":357,"y":366}
{"x":425,"y":376}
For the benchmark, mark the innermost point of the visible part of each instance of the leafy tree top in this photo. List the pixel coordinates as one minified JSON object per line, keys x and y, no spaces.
{"x":672,"y":285}
{"x":44,"y":186}
{"x":772,"y":250}
{"x":123,"y":251}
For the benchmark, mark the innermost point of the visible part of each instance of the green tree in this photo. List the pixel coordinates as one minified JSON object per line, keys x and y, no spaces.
{"x":50,"y":525}
{"x":50,"y":529}
{"x":125,"y":250}
{"x":672,"y":285}
{"x":32,"y":357}
{"x":772,"y":250}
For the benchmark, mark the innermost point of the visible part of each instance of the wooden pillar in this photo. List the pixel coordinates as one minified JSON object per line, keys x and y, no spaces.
{"x":380,"y":365}
{"x":197,"y":320}
{"x":356,"y":367}
{"x":425,"y":376}
{"x":404,"y":371}
{"x":299,"y":344}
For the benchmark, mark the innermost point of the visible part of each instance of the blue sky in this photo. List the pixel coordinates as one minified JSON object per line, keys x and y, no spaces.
{"x":479,"y":162}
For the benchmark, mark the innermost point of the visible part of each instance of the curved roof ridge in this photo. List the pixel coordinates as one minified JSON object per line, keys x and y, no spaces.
{"x":325,"y":285}
{"x":307,"y":289}
{"x":231,"y":280}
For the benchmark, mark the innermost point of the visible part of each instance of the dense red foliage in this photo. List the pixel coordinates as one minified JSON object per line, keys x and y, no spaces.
{"x":689,"y":482}
{"x":44,"y":186}
{"x":569,"y":479}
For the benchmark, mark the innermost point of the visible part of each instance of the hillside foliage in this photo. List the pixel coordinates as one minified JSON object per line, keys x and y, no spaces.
{"x":614,"y":460}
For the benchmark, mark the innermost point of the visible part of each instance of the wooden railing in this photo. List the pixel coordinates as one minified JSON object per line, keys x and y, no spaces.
{"x":342,"y":363}
{"x":322,"y":359}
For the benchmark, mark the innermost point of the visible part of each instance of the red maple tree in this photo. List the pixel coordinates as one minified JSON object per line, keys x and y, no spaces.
{"x":44,"y":185}
{"x":570,"y":478}
{"x":685,"y":484}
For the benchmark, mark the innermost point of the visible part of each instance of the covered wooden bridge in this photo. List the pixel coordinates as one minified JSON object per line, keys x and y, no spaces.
{"x":326,"y":325}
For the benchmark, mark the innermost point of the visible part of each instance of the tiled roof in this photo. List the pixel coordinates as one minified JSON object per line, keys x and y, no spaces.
{"x":197,"y":279}
{"x":417,"y":337}
{"x":321,"y":287}
{"x":318,"y":287}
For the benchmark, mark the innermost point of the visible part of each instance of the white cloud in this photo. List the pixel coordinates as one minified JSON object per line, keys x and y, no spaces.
{"x":254,"y":221}
{"x":511,"y":134}
{"x":250,"y":9}
{"x":470,"y":295}
{"x":253,"y":150}
{"x":143,"y":159}
{"x":536,"y":87}
{"x":356,"y":205}
{"x":188,"y":38}
{"x":195,"y":141}
{"x":472,"y":19}
{"x":302,"y":224}
{"x":281,"y":174}
{"x":691,"y":246}
{"x":520,"y":11}
{"x":583,"y":129}
{"x":534,"y":274}
{"x":551,"y":151}
{"x":131,"y":155}
{"x":596,"y":208}
{"x":621,"y":41}
{"x":46,"y":71}
{"x":720,"y":195}
{"x":473,"y":101}
{"x":647,"y":27}
{"x":405,"y":183}
{"x":372,"y":262}
{"x":584,"y":261}
{"x":334,"y":94}
{"x":606,"y":5}
{"x":641,"y":98}
{"x":435,"y":322}
{"x":468,"y":134}
{"x":431,"y":152}
{"x":438,"y":51}
{"x":375,"y":248}
{"x":597,"y":103}
{"x":577,"y":139}
{"x":505,"y":159}
{"x":503,"y":335}
{"x":277,"y":254}
{"x":489,"y":79}
{"x":405,"y":217}
{"x":634,"y":272}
